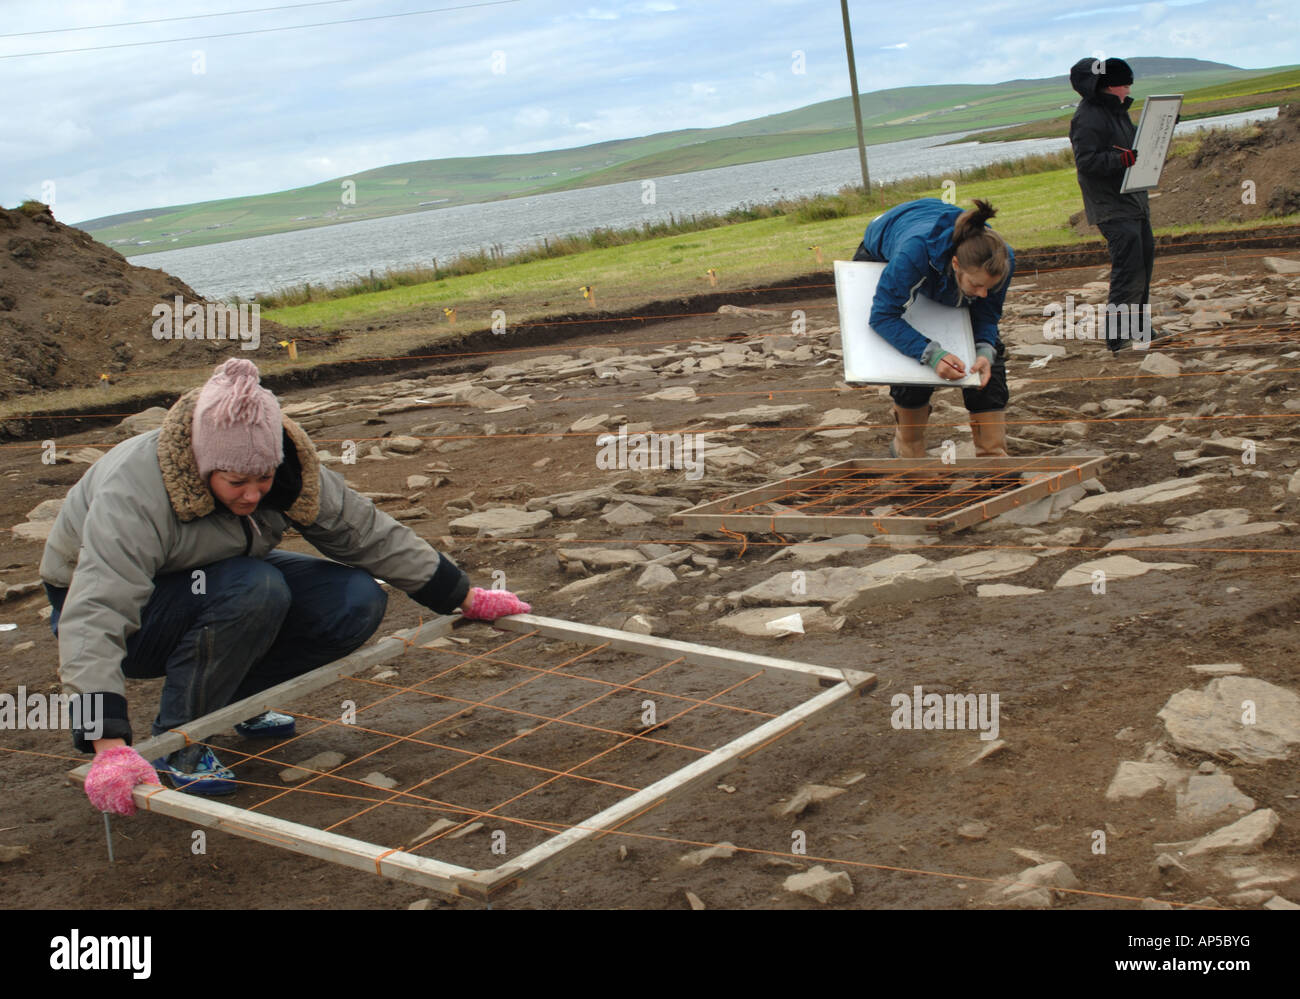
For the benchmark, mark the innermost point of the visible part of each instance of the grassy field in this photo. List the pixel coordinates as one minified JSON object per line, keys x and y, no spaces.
{"x":426,"y":185}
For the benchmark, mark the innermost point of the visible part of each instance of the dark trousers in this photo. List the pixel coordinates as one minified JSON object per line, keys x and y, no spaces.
{"x":256,"y":623}
{"x":1132,"y":249}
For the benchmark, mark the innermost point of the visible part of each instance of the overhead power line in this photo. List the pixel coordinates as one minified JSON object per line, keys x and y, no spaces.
{"x":185,"y":17}
{"x":260,"y":31}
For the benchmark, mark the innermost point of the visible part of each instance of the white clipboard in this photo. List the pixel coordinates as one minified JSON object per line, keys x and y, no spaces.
{"x":1155,"y":132}
{"x":870,"y":359}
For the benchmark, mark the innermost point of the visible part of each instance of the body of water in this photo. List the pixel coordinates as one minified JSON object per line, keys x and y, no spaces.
{"x":332,"y":254}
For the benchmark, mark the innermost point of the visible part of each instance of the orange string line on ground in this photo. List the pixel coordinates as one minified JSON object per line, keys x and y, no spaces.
{"x":382,"y":700}
{"x":630,"y":739}
{"x":517,"y":738}
{"x":609,"y":683}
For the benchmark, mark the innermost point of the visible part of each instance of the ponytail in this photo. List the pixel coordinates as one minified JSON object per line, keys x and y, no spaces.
{"x":977,"y":246}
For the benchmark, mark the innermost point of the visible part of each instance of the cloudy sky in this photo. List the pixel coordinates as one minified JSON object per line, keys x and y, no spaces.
{"x":116,"y":125}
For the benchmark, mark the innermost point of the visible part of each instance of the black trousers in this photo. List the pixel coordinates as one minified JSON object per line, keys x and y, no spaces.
{"x":1132,"y":255}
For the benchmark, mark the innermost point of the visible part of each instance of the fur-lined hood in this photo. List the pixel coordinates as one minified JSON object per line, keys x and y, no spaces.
{"x":189,"y":494}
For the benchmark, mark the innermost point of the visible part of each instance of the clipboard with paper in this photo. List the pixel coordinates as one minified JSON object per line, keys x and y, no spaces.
{"x":1155,"y":131}
{"x":870,"y":359}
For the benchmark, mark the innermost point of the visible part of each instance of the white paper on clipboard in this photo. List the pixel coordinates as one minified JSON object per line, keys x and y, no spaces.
{"x":870,"y":359}
{"x":1155,"y":132}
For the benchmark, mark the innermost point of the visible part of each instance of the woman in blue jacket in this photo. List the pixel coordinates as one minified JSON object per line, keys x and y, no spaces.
{"x":950,"y":256}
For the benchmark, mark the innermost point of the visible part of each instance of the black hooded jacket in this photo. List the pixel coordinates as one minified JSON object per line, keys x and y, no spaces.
{"x":1101,"y":123}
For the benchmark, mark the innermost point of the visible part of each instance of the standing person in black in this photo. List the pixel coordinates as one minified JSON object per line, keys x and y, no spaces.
{"x":1102,"y":135}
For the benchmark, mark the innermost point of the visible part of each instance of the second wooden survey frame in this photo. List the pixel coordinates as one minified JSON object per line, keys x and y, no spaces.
{"x":922,"y":495}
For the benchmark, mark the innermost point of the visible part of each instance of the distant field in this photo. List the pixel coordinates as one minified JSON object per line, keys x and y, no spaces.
{"x":1203,"y":102}
{"x":425,"y":185}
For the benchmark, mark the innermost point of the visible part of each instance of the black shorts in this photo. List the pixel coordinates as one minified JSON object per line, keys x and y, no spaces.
{"x":989,"y":399}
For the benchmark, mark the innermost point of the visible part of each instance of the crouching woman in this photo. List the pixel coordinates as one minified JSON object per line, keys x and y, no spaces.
{"x":164,"y":562}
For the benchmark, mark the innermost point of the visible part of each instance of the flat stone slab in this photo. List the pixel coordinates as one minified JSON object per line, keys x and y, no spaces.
{"x":825,"y":586}
{"x":656,"y":577}
{"x":812,"y":552}
{"x":809,"y":794}
{"x":756,"y":622}
{"x":1192,"y":538}
{"x":1207,"y":519}
{"x":585,"y":423}
{"x":1211,"y":720}
{"x":901,"y":587}
{"x":1218,"y":669}
{"x":718,"y":455}
{"x":1159,"y":492}
{"x":697,"y":858}
{"x":1136,"y":779}
{"x":1033,"y":887}
{"x":402,"y":444}
{"x":46,"y":511}
{"x":627,"y":515}
{"x":312,"y":767}
{"x":1115,"y":567}
{"x":1244,"y":836}
{"x":1005,"y":590}
{"x":500,"y":523}
{"x":759,"y":415}
{"x":34,"y":531}
{"x":678,"y":393}
{"x":590,"y":583}
{"x":601,"y":558}
{"x":379,"y":780}
{"x":988,"y":565}
{"x":1046,"y":509}
{"x":1160,"y":365}
{"x":578,"y":503}
{"x":1281,"y":265}
{"x":1209,"y":795}
{"x":820,"y":884}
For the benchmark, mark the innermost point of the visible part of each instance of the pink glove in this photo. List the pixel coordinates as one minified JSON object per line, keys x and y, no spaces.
{"x":113,"y":774}
{"x":488,"y":605}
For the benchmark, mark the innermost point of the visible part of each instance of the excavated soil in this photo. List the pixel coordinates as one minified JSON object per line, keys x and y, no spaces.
{"x":1080,"y":675}
{"x":72,"y":309}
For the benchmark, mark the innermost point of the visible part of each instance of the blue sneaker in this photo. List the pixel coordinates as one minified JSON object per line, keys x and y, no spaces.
{"x":267,"y":725}
{"x":196,"y":770}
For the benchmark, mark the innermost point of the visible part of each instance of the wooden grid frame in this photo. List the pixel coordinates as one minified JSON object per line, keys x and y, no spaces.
{"x":451,"y":879}
{"x":838,"y":499}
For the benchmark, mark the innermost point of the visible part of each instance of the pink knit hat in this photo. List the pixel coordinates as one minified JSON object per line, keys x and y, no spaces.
{"x":237,"y":423}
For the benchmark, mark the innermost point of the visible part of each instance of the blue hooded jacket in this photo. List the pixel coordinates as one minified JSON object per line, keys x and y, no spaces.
{"x":914,"y":239}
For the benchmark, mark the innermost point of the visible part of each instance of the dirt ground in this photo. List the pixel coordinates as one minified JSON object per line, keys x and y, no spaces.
{"x":1080,"y":676}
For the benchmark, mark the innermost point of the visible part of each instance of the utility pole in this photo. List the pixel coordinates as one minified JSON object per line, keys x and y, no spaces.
{"x":853,"y":86}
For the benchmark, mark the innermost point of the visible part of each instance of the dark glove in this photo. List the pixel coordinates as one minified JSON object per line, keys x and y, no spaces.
{"x":1127,"y":156}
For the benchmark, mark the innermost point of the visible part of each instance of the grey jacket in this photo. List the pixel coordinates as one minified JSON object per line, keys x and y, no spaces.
{"x":142,"y":511}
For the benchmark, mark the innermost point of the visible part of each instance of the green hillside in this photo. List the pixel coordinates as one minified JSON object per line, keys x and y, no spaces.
{"x":426,"y":185}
